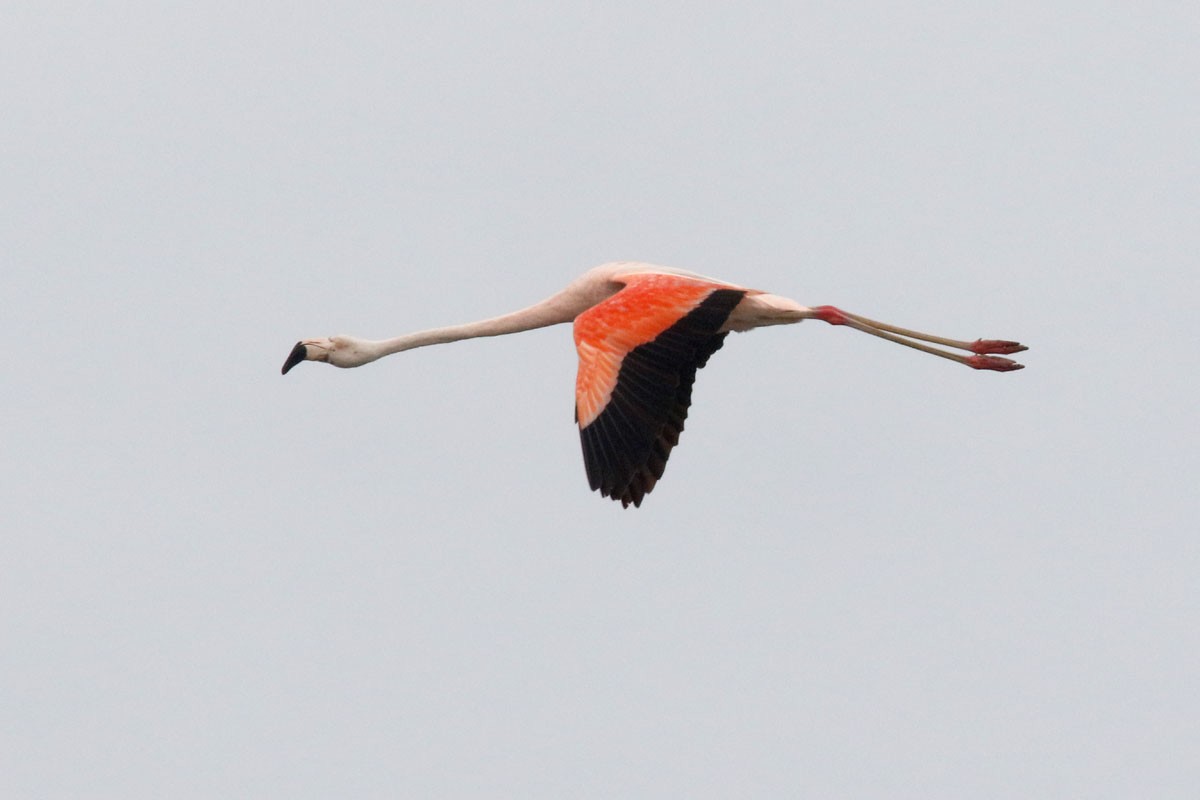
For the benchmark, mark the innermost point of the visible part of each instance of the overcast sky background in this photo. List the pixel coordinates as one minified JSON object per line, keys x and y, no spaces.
{"x":866,"y":573}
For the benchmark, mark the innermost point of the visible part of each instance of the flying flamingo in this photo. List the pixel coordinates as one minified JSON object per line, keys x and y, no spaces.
{"x":641,"y":332}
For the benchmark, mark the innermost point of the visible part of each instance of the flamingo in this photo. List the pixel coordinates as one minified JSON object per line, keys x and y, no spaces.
{"x":641,"y":332}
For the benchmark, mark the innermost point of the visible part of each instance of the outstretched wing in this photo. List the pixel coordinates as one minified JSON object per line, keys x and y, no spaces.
{"x":638,"y":355}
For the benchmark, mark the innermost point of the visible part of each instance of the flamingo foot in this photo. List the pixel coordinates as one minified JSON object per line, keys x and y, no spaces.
{"x":995,"y":363}
{"x":983,"y":346}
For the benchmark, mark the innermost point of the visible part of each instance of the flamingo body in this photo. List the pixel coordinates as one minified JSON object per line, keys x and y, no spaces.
{"x":641,"y":332}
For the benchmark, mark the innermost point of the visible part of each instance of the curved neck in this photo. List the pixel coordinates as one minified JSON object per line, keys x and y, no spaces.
{"x":553,"y":311}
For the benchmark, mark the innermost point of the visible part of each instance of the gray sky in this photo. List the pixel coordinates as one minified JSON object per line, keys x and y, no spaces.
{"x":866,"y":573}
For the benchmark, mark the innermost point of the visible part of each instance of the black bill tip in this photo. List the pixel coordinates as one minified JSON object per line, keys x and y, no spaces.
{"x":299,"y":353}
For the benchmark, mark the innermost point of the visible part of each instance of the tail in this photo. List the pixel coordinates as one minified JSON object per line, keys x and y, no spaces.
{"x":758,"y":310}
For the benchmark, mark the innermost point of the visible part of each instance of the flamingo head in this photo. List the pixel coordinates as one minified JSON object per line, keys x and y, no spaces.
{"x":341,"y":351}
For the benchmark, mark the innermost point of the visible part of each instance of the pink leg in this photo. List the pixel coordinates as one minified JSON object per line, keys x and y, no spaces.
{"x":982,"y":348}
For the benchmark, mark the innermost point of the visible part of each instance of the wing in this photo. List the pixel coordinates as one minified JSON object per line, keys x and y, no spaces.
{"x":638,"y":355}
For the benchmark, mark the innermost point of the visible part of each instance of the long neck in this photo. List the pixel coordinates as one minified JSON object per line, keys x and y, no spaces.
{"x":555,"y":310}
